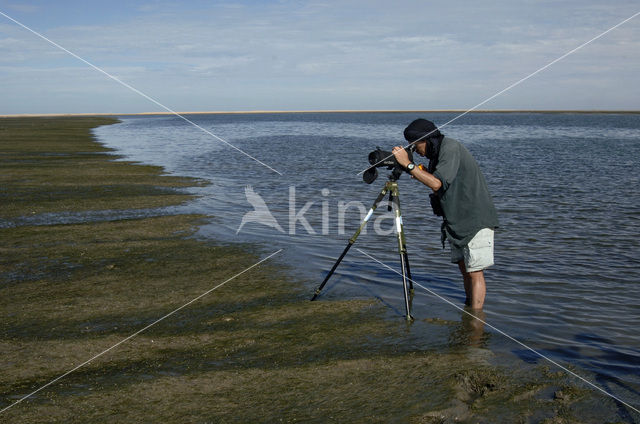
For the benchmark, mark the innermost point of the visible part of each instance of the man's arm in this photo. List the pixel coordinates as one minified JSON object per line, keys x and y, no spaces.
{"x":421,"y":175}
{"x":426,"y":178}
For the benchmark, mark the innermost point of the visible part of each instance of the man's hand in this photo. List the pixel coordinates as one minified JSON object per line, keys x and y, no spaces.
{"x":401,"y":156}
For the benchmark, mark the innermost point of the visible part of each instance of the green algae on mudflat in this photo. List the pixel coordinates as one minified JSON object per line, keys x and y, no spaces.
{"x":52,"y":165}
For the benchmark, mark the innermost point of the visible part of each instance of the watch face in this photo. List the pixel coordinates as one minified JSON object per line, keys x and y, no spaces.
{"x":410,"y":166}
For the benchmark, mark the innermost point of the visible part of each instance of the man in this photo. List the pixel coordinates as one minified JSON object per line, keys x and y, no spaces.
{"x":461,"y":196}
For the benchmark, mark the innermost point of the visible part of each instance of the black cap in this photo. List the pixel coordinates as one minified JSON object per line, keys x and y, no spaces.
{"x":421,"y":129}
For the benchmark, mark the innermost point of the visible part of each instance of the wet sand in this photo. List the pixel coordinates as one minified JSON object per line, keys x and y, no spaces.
{"x":255,"y":350}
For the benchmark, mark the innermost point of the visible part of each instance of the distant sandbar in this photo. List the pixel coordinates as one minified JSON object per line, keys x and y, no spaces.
{"x":249,"y":112}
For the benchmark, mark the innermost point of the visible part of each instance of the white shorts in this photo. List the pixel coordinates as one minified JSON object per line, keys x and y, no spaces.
{"x":478,"y":254}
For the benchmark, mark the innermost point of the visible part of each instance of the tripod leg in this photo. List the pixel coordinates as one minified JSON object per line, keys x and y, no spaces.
{"x":406,"y":261}
{"x":407,"y":296}
{"x":402,"y":249}
{"x":319,"y":289}
{"x":352,"y":240}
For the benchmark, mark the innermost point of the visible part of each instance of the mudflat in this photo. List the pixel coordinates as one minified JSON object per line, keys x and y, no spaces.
{"x":252,"y":350}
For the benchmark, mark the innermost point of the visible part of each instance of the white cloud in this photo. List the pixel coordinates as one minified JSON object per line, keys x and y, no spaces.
{"x":291,"y":54}
{"x":23,"y":7}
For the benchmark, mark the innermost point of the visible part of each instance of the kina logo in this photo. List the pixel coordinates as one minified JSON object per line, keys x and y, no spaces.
{"x":260,"y":213}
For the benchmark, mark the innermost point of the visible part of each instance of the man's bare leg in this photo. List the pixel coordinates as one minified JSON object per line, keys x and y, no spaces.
{"x":474,"y":287}
{"x":478,"y":289}
{"x":467,"y":282}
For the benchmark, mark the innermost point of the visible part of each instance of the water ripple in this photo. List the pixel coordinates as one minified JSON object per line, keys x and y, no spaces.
{"x":565,"y":186}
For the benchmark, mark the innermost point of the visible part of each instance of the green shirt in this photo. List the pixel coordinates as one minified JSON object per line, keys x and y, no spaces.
{"x":464,"y":194}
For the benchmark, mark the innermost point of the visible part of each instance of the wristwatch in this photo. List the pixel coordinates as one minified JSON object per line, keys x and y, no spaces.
{"x":411,"y":166}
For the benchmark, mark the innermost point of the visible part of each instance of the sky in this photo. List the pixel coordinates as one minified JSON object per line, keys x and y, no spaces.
{"x":317,"y":55}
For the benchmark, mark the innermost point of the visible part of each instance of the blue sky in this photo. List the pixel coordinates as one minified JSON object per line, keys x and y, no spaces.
{"x":317,"y":55}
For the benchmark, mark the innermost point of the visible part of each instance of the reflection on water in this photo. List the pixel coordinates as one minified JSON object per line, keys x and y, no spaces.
{"x":472,"y":328}
{"x":565,"y":186}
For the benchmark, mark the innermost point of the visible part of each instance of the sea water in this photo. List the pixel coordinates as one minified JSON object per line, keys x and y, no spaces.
{"x":565,"y":186}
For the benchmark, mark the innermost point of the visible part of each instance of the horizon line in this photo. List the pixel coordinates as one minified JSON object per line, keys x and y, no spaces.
{"x":256,"y":112}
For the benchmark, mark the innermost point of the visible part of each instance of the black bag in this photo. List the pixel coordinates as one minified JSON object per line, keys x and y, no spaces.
{"x":435,"y":204}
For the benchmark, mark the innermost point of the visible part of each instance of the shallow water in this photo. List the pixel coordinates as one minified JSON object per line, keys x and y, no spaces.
{"x":565,"y":186}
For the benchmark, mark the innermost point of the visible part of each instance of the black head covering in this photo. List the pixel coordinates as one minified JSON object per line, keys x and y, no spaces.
{"x":422,"y":129}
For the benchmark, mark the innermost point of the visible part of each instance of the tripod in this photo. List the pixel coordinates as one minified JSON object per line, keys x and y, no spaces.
{"x":391,"y":187}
